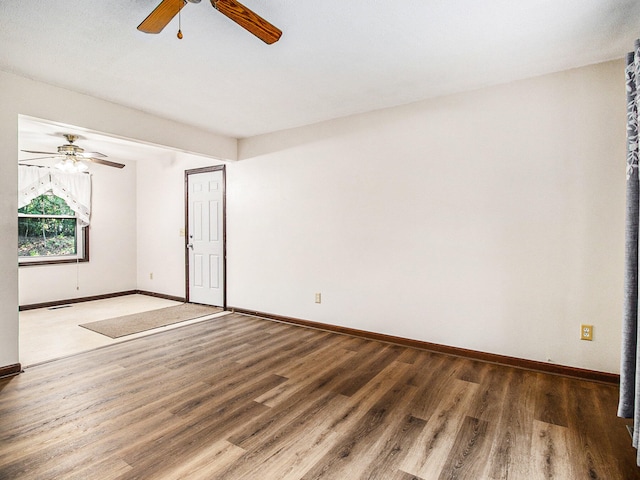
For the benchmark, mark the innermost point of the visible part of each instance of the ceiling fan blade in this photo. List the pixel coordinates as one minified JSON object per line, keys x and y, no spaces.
{"x":249,"y":20}
{"x":101,"y":161}
{"x":161,"y":16}
{"x":38,"y":158}
{"x":43,"y":153}
{"x":31,"y":165}
{"x":94,"y":154}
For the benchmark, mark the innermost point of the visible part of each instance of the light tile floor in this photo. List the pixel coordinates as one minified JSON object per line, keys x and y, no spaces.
{"x":47,"y":334}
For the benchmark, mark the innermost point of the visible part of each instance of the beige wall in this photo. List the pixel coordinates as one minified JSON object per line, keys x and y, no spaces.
{"x":491,"y":220}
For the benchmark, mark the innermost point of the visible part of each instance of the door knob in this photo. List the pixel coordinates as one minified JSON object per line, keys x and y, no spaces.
{"x":190,"y":245}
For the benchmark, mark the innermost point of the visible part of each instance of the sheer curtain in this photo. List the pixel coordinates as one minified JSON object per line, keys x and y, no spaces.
{"x":74,"y":188}
{"x":629,"y":406}
{"x":32,"y":182}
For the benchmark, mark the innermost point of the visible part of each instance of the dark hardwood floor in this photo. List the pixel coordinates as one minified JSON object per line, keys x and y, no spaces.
{"x":243,"y":398}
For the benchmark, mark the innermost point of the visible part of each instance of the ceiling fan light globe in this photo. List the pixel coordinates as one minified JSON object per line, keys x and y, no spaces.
{"x":62,"y":165}
{"x":71,"y":166}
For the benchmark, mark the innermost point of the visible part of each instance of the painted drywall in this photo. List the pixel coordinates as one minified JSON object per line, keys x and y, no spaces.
{"x":8,"y":233}
{"x":161,"y":223}
{"x":491,"y":220}
{"x":112,"y":246}
{"x":136,"y":241}
{"x":19,"y":95}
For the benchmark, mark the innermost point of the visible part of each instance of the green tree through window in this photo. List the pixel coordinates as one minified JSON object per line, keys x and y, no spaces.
{"x":48,"y":229}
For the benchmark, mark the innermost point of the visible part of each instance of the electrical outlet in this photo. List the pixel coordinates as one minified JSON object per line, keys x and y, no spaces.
{"x":586,"y":332}
{"x":151,"y":276}
{"x":318,"y":298}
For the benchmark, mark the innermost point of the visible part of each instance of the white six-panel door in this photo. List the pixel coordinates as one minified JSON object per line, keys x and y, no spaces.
{"x":205,"y":237}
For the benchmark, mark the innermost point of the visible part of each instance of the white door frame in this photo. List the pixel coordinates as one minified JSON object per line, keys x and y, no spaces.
{"x":224,"y":225}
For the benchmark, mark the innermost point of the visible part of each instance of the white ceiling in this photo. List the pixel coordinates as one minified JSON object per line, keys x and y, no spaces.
{"x":335,"y":57}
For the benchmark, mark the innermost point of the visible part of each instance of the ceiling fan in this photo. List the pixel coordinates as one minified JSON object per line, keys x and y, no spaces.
{"x":247,"y":19}
{"x":72,"y":156}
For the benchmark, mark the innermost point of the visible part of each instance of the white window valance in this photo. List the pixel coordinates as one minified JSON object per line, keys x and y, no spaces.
{"x":74,"y":188}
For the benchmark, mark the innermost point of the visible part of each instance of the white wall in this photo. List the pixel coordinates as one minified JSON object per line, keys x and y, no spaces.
{"x":8,"y":232}
{"x":112,"y":246}
{"x":19,"y":95}
{"x":491,"y":220}
{"x":136,"y":228}
{"x":160,"y":218}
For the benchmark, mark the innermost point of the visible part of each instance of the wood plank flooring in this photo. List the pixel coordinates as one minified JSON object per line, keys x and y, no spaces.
{"x":238,"y":397}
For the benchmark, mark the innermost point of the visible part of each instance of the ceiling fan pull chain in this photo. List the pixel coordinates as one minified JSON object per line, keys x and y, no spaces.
{"x":179,"y":22}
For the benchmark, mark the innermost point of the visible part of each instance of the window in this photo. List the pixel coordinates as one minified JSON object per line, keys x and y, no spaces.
{"x":49,"y":232}
{"x":54,"y":210}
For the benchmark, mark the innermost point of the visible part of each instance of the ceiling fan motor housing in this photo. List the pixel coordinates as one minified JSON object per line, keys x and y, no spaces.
{"x":70,"y":149}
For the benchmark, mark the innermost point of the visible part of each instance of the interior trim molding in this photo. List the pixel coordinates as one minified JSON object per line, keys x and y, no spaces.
{"x":161,"y":295}
{"x":10,"y":370}
{"x":574,"y":372}
{"x":58,"y":303}
{"x":212,"y":168}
